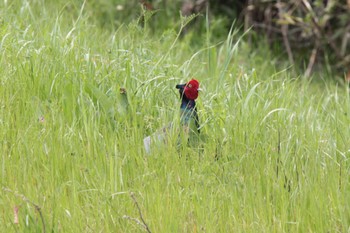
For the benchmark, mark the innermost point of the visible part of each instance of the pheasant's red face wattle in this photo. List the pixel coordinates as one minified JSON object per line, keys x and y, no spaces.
{"x":191,"y":89}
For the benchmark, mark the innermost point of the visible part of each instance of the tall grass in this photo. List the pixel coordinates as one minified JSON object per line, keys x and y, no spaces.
{"x":273,"y":156}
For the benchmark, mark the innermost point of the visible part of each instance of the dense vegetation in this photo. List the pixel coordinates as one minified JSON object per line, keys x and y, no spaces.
{"x":311,"y":34}
{"x":273,"y":152}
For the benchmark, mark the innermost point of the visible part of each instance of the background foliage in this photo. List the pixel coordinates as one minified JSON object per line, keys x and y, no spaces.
{"x":312,"y":34}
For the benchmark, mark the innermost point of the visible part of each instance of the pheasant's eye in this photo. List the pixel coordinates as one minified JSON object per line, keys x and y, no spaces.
{"x":189,"y":85}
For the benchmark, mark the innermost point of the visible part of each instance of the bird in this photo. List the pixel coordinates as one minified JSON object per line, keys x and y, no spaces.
{"x":146,"y":5}
{"x":115,"y":105}
{"x":188,"y":111}
{"x":189,"y":119}
{"x":122,"y":102}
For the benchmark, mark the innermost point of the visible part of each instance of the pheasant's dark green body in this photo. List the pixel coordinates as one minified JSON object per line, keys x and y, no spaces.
{"x":188,"y":114}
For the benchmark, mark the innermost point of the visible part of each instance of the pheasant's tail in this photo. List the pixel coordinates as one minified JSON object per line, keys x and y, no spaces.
{"x":160,"y":136}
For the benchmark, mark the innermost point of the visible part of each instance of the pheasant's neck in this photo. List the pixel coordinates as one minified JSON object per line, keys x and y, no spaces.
{"x":187,"y":104}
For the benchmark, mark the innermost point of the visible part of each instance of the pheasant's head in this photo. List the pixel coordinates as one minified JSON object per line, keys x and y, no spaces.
{"x":122,"y":90}
{"x":189,"y":89}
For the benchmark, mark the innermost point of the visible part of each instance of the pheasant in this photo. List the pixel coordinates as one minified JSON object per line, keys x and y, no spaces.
{"x":116,"y":105}
{"x":188,"y":116}
{"x":123,"y":102}
{"x":188,"y":110}
{"x":146,"y":5}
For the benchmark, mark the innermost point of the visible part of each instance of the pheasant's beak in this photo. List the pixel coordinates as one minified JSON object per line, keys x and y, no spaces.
{"x":199,"y":89}
{"x":180,"y":86}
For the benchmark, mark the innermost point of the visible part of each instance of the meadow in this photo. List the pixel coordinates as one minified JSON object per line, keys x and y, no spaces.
{"x":273,"y":155}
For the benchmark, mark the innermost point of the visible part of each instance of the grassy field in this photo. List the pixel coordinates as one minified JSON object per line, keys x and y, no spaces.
{"x":274,"y":150}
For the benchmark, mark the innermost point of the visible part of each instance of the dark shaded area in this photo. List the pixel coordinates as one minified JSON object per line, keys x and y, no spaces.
{"x":313,"y":33}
